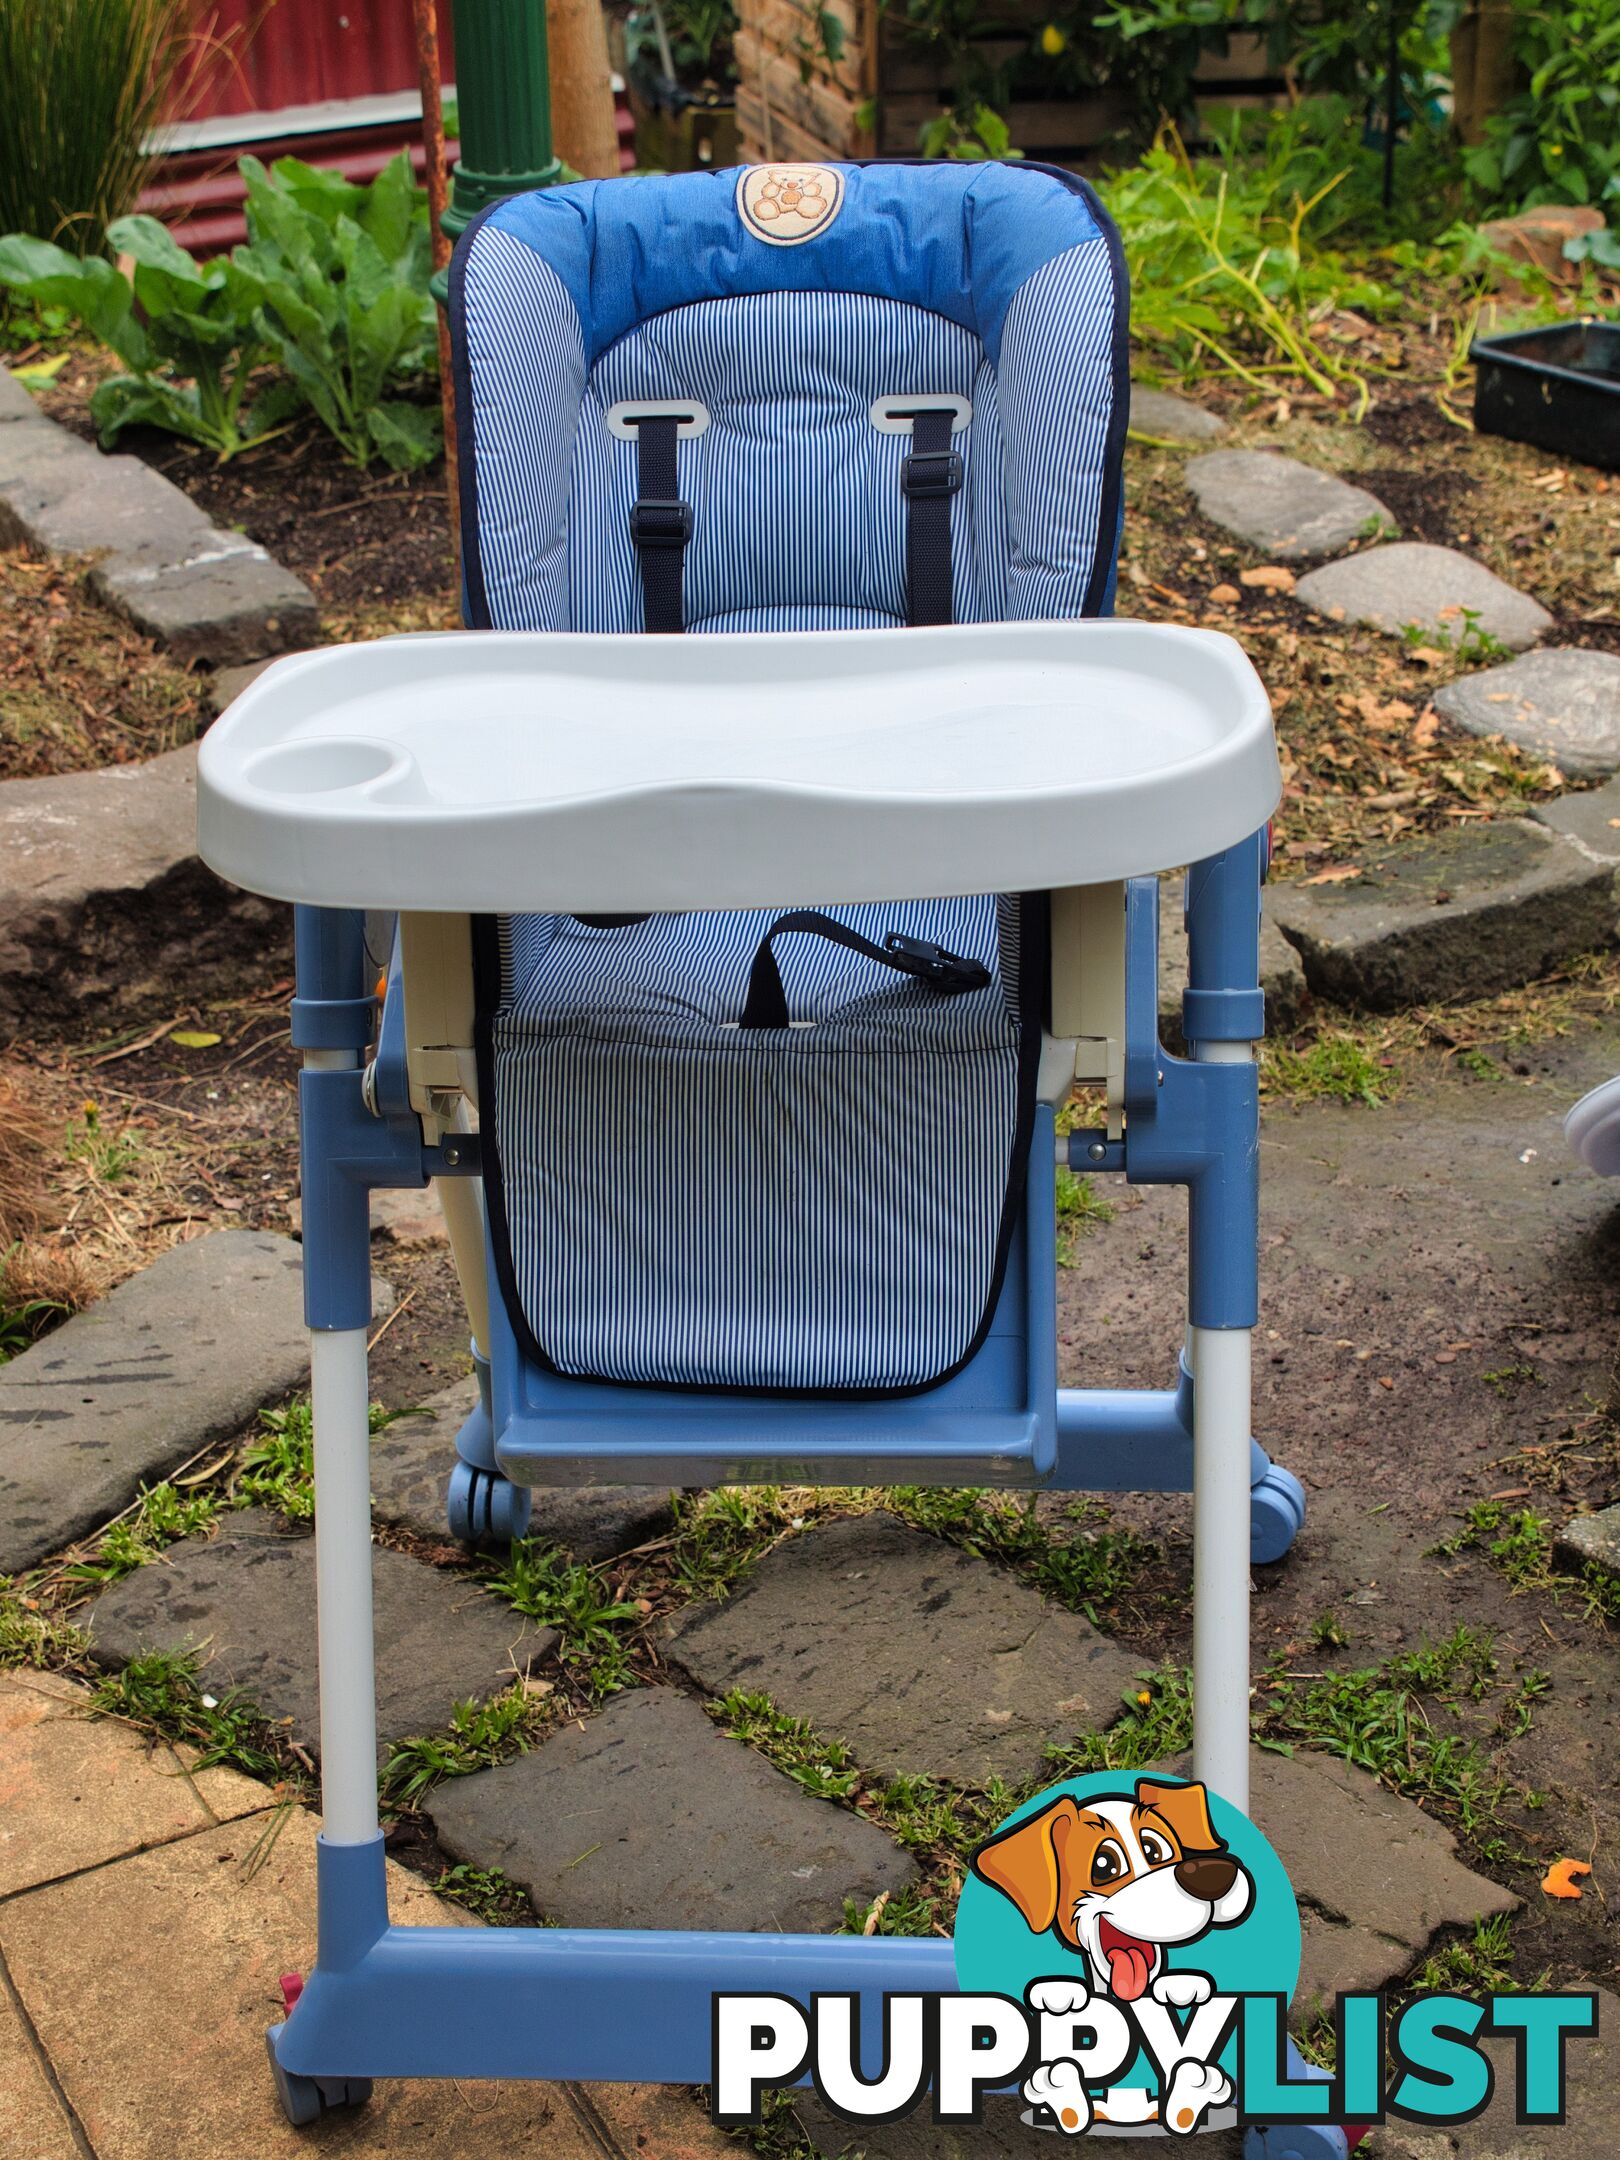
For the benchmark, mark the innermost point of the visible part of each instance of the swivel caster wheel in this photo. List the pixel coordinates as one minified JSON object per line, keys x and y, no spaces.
{"x":486,"y":1510}
{"x":1276,"y":1514}
{"x":304,"y":2100}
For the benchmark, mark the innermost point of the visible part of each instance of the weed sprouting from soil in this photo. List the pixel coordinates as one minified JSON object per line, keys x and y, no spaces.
{"x":161,"y":1692}
{"x":1519,"y":1544}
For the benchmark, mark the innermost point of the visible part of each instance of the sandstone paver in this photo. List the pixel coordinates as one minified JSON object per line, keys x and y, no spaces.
{"x":244,"y":1600}
{"x":34,"y":2124}
{"x":1561,"y":704}
{"x":411,"y":1463}
{"x":1413,"y":585}
{"x":1456,"y":914}
{"x":77,"y":1790}
{"x":182,"y":1354}
{"x":157,"y":2036}
{"x":1289,"y":510}
{"x":104,"y":900}
{"x":1176,"y":419}
{"x":922,"y":1657}
{"x":650,"y":1816}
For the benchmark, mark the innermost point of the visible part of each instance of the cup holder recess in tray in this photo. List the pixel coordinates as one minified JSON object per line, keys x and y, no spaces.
{"x":332,"y":765}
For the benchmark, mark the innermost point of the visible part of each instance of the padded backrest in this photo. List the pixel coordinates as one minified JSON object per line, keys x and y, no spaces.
{"x":1001,"y":284}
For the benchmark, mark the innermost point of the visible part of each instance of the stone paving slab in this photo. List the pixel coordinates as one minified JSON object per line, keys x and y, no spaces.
{"x":1457,"y":914}
{"x":182,"y":1354}
{"x":34,"y":2123}
{"x":1590,"y":817}
{"x":1376,"y":1878}
{"x":647,"y":1815}
{"x":1561,"y":704}
{"x":1282,"y":977}
{"x":16,"y":402}
{"x":1289,"y":510}
{"x":1411,"y":584}
{"x":206,"y":594}
{"x":1593,"y":1537}
{"x":104,"y":902}
{"x":1590,"y":2129}
{"x":228,"y":685}
{"x":77,"y":1790}
{"x":224,"y":603}
{"x":244,"y":1600}
{"x":154,"y":2025}
{"x":925,"y":1659}
{"x":1176,"y":419}
{"x":411,"y":1462}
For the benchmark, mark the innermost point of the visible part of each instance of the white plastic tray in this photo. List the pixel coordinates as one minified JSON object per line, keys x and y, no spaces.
{"x":495,"y":771}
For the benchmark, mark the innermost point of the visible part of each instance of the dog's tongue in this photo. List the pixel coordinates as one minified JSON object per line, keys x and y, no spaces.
{"x":1130,"y":1963}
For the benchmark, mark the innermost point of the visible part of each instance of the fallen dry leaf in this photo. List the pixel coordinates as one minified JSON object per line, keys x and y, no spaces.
{"x":1428,"y":655}
{"x":1225,"y":595}
{"x":1559,"y":1880}
{"x":1270,"y":577}
{"x":1336,"y":875}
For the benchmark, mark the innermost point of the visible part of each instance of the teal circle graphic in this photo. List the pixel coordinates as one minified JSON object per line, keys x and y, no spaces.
{"x":998,"y":1951}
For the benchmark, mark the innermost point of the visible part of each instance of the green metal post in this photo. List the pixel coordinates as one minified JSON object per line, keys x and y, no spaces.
{"x":503,"y":99}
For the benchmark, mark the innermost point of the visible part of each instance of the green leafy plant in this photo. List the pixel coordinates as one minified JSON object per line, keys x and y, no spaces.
{"x":279,"y":1470}
{"x":338,"y":277}
{"x":1558,"y":140}
{"x":161,"y":1514}
{"x":479,"y":1733}
{"x":684,"y":41}
{"x":575,"y":1600}
{"x":183,"y":329}
{"x":161,"y":1693}
{"x":82,"y":85}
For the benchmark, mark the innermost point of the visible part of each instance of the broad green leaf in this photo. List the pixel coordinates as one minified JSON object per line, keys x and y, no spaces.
{"x":389,"y":209}
{"x":194,"y":1038}
{"x":123,"y":400}
{"x":407,"y":436}
{"x":92,"y":289}
{"x":154,"y":246}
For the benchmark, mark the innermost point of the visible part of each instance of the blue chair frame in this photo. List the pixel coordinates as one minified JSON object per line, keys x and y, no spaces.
{"x":390,"y":2001}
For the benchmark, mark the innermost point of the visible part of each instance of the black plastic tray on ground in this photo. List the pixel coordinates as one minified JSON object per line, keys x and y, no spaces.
{"x":1557,"y":387}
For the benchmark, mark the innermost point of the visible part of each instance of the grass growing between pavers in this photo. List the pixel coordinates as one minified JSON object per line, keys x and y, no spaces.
{"x":1518,"y":1543}
{"x":722,"y":1535}
{"x":1402,"y":1720}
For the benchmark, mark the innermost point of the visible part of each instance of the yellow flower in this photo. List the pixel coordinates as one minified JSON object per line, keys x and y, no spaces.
{"x":1144,"y":1695}
{"x":90,"y":1110}
{"x":1053,"y":41}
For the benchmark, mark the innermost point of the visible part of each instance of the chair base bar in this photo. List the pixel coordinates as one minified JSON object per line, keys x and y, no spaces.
{"x":615,"y":2005}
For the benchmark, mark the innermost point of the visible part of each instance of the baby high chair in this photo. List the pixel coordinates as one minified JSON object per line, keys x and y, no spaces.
{"x":766,"y":958}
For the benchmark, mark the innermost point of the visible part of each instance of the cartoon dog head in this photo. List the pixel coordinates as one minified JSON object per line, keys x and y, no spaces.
{"x":1120,"y":1877}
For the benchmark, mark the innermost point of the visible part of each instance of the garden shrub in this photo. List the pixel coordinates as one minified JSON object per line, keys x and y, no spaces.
{"x":1558,"y":141}
{"x":331,"y":290}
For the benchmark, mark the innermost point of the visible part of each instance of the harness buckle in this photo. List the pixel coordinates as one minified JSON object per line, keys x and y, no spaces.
{"x":657,"y":522}
{"x":930,"y":474}
{"x":936,"y":965}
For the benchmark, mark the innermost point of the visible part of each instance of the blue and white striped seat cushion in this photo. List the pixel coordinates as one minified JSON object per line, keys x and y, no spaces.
{"x":674,"y":1201}
{"x":687,"y":1202}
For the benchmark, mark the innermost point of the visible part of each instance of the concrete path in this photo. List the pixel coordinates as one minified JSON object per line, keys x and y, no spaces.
{"x":140,"y":1953}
